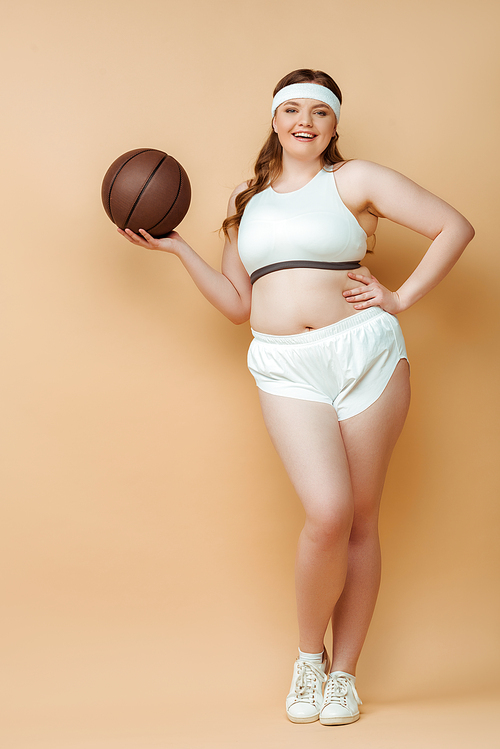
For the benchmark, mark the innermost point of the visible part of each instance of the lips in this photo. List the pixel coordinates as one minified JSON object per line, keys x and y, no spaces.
{"x":303,"y":136}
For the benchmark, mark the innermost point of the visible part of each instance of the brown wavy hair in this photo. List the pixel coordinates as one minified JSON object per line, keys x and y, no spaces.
{"x":269,"y":163}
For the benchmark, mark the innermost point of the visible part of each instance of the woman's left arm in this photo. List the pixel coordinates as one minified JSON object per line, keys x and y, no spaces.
{"x":388,"y":194}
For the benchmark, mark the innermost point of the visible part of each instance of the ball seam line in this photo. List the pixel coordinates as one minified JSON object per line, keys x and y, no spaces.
{"x":116,"y":177}
{"x":174,"y":201}
{"x":143,"y":188}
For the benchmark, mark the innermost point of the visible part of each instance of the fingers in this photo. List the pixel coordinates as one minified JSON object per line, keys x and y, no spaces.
{"x":170,"y":243}
{"x":355,"y":292}
{"x":362,"y":297}
{"x":362,"y":278}
{"x":374,"y":296}
{"x":143,"y":239}
{"x":128,"y":234}
{"x":360,"y":294}
{"x":360,"y":300}
{"x":147,"y":236}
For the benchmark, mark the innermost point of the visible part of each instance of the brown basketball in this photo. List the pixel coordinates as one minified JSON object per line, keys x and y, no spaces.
{"x":146,"y":189}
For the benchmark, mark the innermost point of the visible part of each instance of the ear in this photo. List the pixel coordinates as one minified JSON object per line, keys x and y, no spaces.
{"x":274,"y":124}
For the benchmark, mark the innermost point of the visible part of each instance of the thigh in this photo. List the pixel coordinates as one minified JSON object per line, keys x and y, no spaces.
{"x":369,"y":439}
{"x":307,"y":437}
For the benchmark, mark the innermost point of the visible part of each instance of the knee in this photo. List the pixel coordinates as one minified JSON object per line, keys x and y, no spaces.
{"x":364,"y":529}
{"x":328,"y":529}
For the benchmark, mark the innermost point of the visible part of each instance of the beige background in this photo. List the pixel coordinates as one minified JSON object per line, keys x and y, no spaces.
{"x":149,"y":529}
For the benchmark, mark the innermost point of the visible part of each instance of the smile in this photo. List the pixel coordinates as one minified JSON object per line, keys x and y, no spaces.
{"x":305,"y":136}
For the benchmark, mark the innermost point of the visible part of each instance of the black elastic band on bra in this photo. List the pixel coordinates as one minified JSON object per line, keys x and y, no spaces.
{"x":348,"y":265}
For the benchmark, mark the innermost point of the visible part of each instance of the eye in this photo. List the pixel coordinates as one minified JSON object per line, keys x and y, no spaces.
{"x":321,"y":112}
{"x":289,"y":110}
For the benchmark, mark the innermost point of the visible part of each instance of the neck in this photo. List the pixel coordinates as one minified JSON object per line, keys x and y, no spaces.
{"x":296,"y":172}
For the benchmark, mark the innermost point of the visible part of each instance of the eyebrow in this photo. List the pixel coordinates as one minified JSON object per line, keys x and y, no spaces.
{"x":296,"y":104}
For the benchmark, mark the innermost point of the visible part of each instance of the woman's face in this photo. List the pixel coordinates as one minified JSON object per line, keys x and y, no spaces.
{"x":304,"y":127}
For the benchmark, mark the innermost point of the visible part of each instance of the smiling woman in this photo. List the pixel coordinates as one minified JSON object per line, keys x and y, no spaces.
{"x":268,"y":166}
{"x":305,"y":121}
{"x":328,"y":357}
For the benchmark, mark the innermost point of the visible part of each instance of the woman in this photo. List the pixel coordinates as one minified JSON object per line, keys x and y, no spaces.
{"x":325,"y":334}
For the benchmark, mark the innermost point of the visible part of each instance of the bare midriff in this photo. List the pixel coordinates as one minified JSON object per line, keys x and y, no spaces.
{"x":297,"y":300}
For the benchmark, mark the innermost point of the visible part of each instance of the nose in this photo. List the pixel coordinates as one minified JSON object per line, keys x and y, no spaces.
{"x":305,"y":118}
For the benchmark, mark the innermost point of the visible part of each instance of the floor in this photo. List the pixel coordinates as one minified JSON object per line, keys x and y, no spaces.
{"x":470,"y":722}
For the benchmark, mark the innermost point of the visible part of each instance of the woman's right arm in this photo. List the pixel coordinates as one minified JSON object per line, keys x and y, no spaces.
{"x":230,"y":290}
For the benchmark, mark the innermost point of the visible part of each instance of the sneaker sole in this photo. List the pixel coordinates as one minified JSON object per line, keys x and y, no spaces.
{"x":338,"y":721}
{"x":312,"y":719}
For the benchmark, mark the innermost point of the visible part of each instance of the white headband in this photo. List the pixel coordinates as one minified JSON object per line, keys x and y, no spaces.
{"x":307,"y":91}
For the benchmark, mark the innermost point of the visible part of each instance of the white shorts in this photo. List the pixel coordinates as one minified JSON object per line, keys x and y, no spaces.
{"x":347,"y":364}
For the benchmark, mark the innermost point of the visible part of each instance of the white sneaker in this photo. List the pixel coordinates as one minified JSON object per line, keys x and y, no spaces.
{"x":340,"y":703}
{"x":306,"y":693}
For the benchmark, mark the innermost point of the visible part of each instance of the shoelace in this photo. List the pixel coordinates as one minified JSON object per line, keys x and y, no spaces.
{"x":307,"y":673}
{"x":337,"y":687}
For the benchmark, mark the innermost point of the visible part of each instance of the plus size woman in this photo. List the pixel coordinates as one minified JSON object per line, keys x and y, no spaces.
{"x":328,"y":357}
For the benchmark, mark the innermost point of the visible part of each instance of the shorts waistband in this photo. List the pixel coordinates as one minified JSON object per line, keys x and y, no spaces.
{"x":311,"y":336}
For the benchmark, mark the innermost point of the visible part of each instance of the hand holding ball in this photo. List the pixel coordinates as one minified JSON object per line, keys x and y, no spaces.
{"x":146,"y":189}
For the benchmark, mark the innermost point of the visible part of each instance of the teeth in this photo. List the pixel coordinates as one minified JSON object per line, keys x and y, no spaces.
{"x":304,"y":135}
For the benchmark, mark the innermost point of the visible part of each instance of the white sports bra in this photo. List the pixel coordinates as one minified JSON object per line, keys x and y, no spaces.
{"x":308,"y":228}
